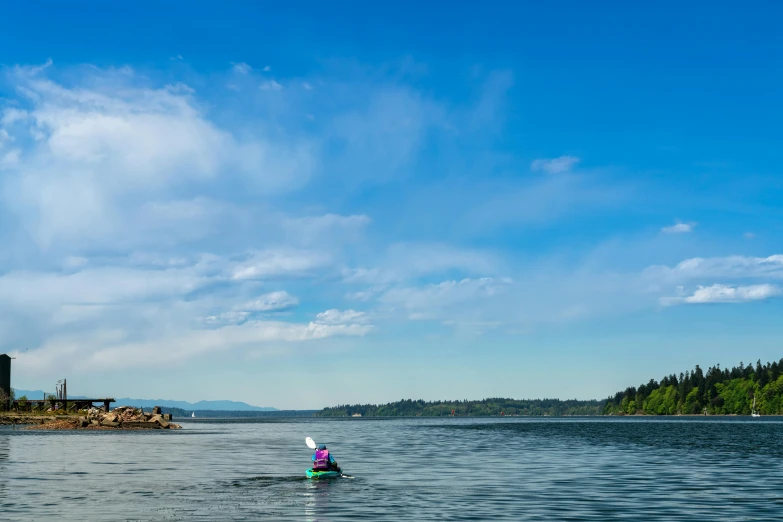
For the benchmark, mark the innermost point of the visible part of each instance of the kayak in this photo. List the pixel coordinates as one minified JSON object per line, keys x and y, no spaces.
{"x":322,"y":474}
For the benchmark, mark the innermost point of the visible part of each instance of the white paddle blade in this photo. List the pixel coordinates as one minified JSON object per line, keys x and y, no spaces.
{"x":310,"y":443}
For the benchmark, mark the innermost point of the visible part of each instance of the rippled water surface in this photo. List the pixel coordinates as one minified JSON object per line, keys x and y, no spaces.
{"x":414,"y":469}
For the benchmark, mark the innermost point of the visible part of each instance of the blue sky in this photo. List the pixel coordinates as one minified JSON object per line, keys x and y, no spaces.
{"x":253,"y":201}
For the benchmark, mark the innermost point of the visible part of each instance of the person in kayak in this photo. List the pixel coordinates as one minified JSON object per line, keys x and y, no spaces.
{"x":324,"y":461}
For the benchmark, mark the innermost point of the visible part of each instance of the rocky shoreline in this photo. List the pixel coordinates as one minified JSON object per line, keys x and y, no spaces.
{"x":121,"y":418}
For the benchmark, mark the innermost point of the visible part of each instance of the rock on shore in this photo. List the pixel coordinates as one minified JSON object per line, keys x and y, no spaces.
{"x":123,"y":417}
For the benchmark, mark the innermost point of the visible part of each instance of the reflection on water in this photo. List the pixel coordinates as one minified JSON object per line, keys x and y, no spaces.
{"x":317,"y":500}
{"x":4,"y":457}
{"x":425,"y":469}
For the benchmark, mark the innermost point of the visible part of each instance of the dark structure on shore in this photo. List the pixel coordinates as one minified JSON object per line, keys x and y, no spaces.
{"x":5,"y":376}
{"x":60,"y":401}
{"x":64,"y":405}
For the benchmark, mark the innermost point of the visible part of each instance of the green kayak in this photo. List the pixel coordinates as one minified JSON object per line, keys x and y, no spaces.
{"x":322,"y":474}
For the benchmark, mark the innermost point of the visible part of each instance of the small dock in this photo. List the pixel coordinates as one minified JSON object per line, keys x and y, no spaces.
{"x":63,"y":405}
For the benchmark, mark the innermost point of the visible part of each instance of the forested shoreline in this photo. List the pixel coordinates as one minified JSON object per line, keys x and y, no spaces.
{"x":714,"y":392}
{"x":465,"y":408}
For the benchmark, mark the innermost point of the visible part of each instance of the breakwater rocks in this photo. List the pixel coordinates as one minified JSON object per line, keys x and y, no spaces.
{"x":123,"y":418}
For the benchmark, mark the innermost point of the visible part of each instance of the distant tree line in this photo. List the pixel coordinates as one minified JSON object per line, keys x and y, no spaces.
{"x":717,"y":392}
{"x":465,"y":408}
{"x":244,"y":414}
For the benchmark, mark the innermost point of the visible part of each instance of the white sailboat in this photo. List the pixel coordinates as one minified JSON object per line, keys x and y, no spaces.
{"x":193,"y":415}
{"x":753,"y":412}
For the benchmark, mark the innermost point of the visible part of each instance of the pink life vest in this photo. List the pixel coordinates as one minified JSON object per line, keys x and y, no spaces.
{"x":321,"y":460}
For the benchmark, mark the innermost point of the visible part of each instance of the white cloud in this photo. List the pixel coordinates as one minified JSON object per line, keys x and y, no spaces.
{"x":372,"y":276}
{"x":102,"y":285}
{"x":420,"y":258}
{"x":469,"y":306}
{"x":335,"y":316}
{"x":270,"y":85}
{"x":111,"y":350}
{"x":405,"y":261}
{"x":331,"y":220}
{"x":277,"y":263}
{"x":267,"y":68}
{"x":158,"y":291}
{"x":679,"y":228}
{"x":226,"y":318}
{"x":150,"y":308}
{"x":10,"y":158}
{"x":749,"y":235}
{"x":555,"y":165}
{"x":144,"y":137}
{"x":38,"y":306}
{"x":114,"y":145}
{"x":137,"y":220}
{"x":12,"y":115}
{"x":720,"y":293}
{"x":264,"y":304}
{"x":363,"y":295}
{"x":271,"y":302}
{"x":249,"y":334}
{"x":34,"y":70}
{"x":438,"y":296}
{"x":731,"y":267}
{"x":242,"y":68}
{"x":394,"y":283}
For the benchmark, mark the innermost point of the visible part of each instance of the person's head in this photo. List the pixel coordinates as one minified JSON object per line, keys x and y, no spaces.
{"x":321,"y":447}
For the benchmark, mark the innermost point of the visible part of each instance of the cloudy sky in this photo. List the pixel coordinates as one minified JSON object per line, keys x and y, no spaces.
{"x":304,"y":206}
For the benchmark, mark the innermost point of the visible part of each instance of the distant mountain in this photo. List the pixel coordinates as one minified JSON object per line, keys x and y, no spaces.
{"x":200,"y":405}
{"x":149,"y":403}
{"x":33,"y":395}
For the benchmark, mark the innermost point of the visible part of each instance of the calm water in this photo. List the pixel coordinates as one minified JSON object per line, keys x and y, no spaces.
{"x":414,"y":469}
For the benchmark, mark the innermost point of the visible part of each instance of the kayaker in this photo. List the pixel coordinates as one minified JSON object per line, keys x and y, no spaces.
{"x":324,"y":461}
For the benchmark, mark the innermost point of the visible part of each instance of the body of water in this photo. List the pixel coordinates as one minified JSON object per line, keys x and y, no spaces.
{"x":402,"y":469}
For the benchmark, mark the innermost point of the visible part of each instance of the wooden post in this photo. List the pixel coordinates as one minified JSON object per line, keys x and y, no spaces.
{"x":106,"y":406}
